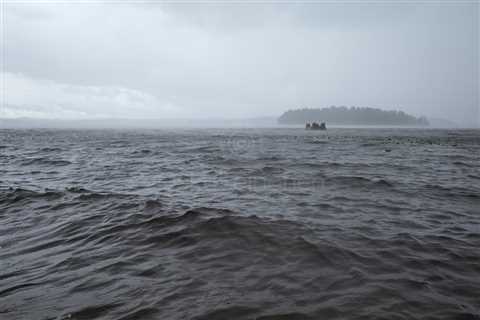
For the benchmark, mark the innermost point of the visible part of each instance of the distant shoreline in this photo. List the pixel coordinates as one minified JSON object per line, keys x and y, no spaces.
{"x":352,"y":116}
{"x":259,"y":122}
{"x":134,"y":125}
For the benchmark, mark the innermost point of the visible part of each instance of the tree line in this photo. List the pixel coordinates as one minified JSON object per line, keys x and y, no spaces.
{"x":351,"y":116}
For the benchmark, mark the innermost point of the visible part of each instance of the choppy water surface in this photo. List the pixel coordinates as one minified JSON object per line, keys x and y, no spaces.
{"x":240,"y":224}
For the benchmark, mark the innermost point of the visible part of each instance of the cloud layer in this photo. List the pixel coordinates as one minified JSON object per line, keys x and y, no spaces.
{"x":236,"y":60}
{"x":27,"y":97}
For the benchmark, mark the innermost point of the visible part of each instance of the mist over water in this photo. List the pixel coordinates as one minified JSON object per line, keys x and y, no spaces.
{"x":240,"y":224}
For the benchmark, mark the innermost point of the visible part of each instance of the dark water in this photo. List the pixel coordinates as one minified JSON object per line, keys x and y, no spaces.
{"x":240,"y":224}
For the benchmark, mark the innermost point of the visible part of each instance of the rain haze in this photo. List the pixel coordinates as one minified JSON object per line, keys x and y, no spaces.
{"x":258,"y":160}
{"x":89,"y":60}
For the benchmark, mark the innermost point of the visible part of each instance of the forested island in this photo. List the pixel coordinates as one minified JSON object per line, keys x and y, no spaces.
{"x":351,"y":116}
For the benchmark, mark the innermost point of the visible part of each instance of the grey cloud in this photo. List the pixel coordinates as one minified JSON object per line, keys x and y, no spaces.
{"x":257,"y":59}
{"x":40,"y":98}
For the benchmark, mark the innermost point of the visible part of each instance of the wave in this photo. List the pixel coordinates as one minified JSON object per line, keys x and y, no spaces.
{"x":231,"y":254}
{"x":268,"y":170}
{"x":358,"y":182}
{"x":45,"y":162}
{"x":14,"y":195}
{"x":50,"y":149}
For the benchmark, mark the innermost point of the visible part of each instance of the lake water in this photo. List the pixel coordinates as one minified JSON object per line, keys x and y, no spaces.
{"x":240,"y":224}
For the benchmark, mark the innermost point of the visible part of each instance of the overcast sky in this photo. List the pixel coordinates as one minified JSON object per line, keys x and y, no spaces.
{"x":228,"y":60}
